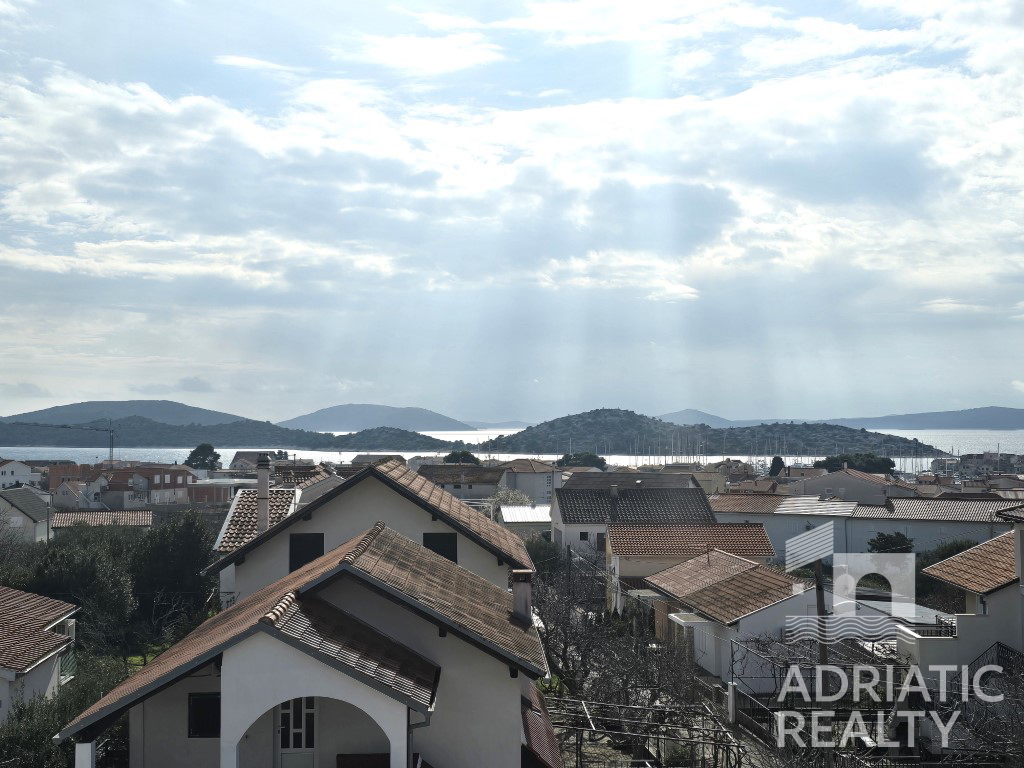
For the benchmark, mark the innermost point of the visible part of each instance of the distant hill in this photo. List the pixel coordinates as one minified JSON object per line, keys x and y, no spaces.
{"x":499,"y":424}
{"x":137,"y":432}
{"x":163,"y":411}
{"x":692,"y":416}
{"x":388,"y":439}
{"x":614,"y":431}
{"x":354,"y":417}
{"x":991,"y":417}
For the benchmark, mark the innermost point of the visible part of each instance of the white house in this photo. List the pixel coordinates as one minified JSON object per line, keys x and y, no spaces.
{"x":853,"y":485}
{"x":464,"y":481}
{"x":255,"y":553}
{"x":929,"y":522}
{"x":710,"y":601}
{"x":537,"y":479}
{"x":636,"y":551}
{"x":25,"y":512}
{"x":37,"y":637}
{"x":584,"y":506}
{"x":378,"y":653}
{"x":990,"y":575}
{"x":14,"y":473}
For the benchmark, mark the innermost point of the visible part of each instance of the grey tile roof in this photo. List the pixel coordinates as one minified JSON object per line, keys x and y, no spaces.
{"x":24,"y":639}
{"x":604,"y":480}
{"x":25,"y":501}
{"x":945,"y":508}
{"x":580,"y":506}
{"x":461,"y":473}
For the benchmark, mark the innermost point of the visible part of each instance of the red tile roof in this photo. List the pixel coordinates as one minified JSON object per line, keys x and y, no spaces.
{"x":743,"y":539}
{"x":724,"y":587}
{"x":383,"y":560}
{"x":24,"y":637}
{"x":981,"y":569}
{"x":538,"y":731}
{"x":438,"y":502}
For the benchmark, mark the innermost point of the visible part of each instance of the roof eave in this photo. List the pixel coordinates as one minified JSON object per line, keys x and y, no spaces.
{"x":431,"y":615}
{"x":367,"y":680}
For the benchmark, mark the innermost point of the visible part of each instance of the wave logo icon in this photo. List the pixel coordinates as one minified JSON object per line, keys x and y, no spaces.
{"x":848,"y":619}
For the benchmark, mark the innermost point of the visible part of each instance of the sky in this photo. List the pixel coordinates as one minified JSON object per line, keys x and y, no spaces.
{"x":513,"y":210}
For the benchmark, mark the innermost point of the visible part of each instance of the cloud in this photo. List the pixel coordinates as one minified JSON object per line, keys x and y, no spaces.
{"x":185,"y":384}
{"x":251,"y":63}
{"x":1018,"y":385}
{"x":945,"y":306}
{"x":23,"y":389}
{"x":424,"y":56}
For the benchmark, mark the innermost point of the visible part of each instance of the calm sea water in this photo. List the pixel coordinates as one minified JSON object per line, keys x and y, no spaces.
{"x":954,"y":441}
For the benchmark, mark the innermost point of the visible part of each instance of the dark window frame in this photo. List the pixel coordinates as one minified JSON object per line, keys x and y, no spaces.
{"x":444,"y":544}
{"x":299,"y":555}
{"x":203,"y":723}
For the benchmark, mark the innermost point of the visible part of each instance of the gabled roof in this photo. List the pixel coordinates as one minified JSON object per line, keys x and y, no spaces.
{"x":723,"y":587}
{"x":461,"y":473}
{"x":945,"y":508}
{"x":604,"y":480}
{"x":874,"y":479}
{"x":24,"y":637}
{"x":395,"y":475}
{"x":240,"y":525}
{"x":981,"y":569}
{"x":26,"y":502}
{"x":142,"y":518}
{"x":528,"y":465}
{"x":743,"y":539}
{"x":581,"y":506}
{"x":746,"y":503}
{"x":289,"y":609}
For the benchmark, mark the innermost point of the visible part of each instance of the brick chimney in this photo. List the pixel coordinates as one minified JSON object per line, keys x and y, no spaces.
{"x":262,"y":493}
{"x":522,"y":596}
{"x":613,"y":512}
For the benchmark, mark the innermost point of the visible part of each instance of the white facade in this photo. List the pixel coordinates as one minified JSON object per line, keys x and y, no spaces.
{"x":539,"y":486}
{"x":15,"y":473}
{"x":41,"y":680}
{"x":348,"y":515}
{"x":260,"y":672}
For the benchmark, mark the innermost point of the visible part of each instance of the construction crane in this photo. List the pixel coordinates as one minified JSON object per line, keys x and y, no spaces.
{"x":108,"y":429}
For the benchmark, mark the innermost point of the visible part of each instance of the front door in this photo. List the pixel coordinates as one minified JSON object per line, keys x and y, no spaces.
{"x":296,"y":733}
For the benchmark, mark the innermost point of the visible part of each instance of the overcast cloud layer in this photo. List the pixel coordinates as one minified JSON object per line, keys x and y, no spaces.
{"x":513,"y":210}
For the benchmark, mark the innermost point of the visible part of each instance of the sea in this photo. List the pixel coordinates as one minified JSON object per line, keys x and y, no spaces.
{"x":955,"y":442}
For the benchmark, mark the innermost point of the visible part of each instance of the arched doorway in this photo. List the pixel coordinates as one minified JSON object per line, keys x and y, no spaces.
{"x":314,"y":732}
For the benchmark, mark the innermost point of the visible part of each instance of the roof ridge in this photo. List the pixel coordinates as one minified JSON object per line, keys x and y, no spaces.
{"x":364,"y":543}
{"x":274,"y":614}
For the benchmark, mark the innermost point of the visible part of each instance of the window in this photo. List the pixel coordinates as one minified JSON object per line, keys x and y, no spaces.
{"x":444,"y":544}
{"x":204,"y":715}
{"x":600,"y":542}
{"x":304,"y":548}
{"x":584,"y":536}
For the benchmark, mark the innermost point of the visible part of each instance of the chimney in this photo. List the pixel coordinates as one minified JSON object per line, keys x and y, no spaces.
{"x":613,"y":512}
{"x":262,"y":493}
{"x":522,"y":596}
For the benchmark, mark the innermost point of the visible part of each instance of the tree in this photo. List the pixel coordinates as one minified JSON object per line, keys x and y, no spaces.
{"x":865,"y":462}
{"x":461,"y":457}
{"x":582,"y":460}
{"x":887,"y":543}
{"x":509,"y":497}
{"x":777,"y":466}
{"x":203,"y":457}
